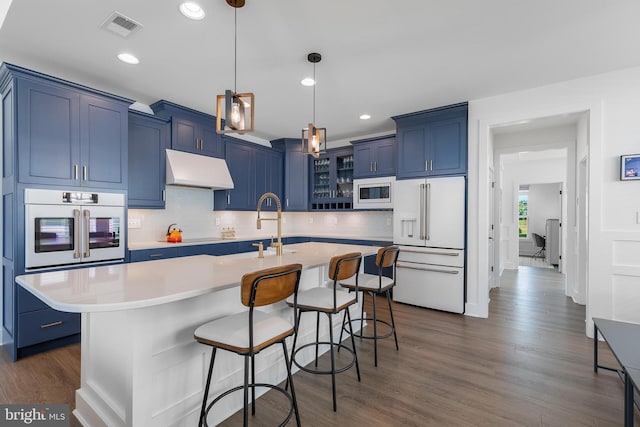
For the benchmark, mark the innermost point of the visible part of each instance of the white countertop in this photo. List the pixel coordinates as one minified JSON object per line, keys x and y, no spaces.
{"x":150,"y":283}
{"x":214,"y":240}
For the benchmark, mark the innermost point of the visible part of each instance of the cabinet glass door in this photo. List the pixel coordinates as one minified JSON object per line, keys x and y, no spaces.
{"x":344,"y":176}
{"x":321,"y":178}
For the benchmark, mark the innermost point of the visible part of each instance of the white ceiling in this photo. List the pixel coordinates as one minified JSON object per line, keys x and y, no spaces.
{"x":380,"y":57}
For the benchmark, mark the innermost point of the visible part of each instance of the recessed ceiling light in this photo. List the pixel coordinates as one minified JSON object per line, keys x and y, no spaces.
{"x":128,"y":58}
{"x":307,"y":81}
{"x":365,"y":117}
{"x":192,"y":10}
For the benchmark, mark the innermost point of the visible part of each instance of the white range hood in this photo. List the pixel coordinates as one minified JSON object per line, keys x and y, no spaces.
{"x":194,"y":170}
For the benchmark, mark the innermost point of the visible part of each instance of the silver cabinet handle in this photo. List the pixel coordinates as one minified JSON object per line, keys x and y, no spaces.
{"x":432,"y":252}
{"x":87,"y":218}
{"x":48,"y":325}
{"x":76,"y":233}
{"x":164,"y":195}
{"x":430,"y":165}
{"x":426,"y":165}
{"x":436,"y":270}
{"x":84,"y":172}
{"x":75,"y":172}
{"x":228,"y":198}
{"x":375,"y":166}
{"x":287,"y":202}
{"x":155,"y":255}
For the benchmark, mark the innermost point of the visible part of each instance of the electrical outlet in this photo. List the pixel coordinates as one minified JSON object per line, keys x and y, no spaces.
{"x":310,"y":220}
{"x":217,"y":221}
{"x":134,"y":223}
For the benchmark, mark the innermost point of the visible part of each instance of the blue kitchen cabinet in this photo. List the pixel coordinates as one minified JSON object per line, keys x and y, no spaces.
{"x":374,"y":157}
{"x":296,"y":174}
{"x":331,"y":180}
{"x":268,"y":177}
{"x":432,"y":142}
{"x":148,"y":140}
{"x":69,"y":135}
{"x":255,"y":170}
{"x":191,"y":131}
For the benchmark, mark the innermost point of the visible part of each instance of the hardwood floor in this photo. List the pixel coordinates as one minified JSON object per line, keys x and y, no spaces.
{"x":528,"y":364}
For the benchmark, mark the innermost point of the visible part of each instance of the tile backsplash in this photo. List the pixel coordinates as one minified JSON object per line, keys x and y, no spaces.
{"x":192,"y":210}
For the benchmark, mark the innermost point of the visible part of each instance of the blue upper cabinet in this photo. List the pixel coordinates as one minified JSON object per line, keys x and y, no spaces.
{"x":69,"y":136}
{"x":255,"y":170}
{"x":296,"y":174}
{"x":191,"y":130}
{"x":149,"y":137}
{"x":432,"y":142}
{"x":374,"y":157}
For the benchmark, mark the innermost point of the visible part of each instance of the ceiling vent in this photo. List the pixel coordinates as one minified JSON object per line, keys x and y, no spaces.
{"x":121,"y":25}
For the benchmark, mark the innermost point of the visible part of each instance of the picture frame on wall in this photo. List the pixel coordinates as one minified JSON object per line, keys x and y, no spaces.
{"x":629,"y":167}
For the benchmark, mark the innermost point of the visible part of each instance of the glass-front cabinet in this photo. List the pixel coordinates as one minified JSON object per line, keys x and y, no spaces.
{"x":332,"y":180}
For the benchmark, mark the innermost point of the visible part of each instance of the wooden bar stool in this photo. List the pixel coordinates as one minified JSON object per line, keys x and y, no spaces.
{"x":374,"y":285}
{"x":249,"y":332}
{"x":329,"y":300}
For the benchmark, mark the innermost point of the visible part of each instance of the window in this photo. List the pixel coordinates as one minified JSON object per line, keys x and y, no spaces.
{"x":523,"y":213}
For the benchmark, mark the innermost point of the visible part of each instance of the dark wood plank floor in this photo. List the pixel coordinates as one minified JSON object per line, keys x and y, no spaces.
{"x":529,"y":364}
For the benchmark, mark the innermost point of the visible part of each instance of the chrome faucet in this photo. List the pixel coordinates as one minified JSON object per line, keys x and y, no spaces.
{"x":278,"y":218}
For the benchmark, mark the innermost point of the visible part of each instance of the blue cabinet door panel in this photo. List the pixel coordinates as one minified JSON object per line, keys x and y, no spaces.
{"x":48,"y":129}
{"x":184,"y":135}
{"x":412,"y":153}
{"x":148,"y":140}
{"x":104,"y":136}
{"x":385,"y":158}
{"x":448,"y":155}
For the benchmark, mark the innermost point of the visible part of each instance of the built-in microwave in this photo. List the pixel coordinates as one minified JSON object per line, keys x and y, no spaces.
{"x":373,"y":193}
{"x":66,"y":227}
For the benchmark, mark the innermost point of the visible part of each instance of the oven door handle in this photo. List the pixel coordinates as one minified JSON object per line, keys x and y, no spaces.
{"x":87,"y":216}
{"x":76,"y":233}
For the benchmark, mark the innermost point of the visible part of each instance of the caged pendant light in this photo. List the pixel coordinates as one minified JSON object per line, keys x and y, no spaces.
{"x":234,"y":112}
{"x":314,"y":139}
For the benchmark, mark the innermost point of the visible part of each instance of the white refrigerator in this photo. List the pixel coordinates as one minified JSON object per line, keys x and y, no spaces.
{"x":429,"y":226}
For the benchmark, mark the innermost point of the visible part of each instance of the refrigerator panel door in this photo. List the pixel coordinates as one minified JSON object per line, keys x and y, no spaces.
{"x":445,"y":212}
{"x":408,"y":218}
{"x":430,"y":286}
{"x":448,"y":257}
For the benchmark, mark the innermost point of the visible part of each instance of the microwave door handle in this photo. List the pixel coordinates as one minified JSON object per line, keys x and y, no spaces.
{"x":76,"y":233}
{"x":87,"y":216}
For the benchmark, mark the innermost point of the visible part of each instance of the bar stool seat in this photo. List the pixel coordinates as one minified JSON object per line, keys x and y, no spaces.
{"x":248,"y":332}
{"x":321,"y":299}
{"x":374,"y":285}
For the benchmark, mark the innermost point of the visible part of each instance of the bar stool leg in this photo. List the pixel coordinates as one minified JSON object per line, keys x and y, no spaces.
{"x":344,"y":321}
{"x":353,"y":343}
{"x":317,"y":335}
{"x":245,"y":410}
{"x":333,"y":363}
{"x":375,"y":330}
{"x":393,"y":323}
{"x":362,"y":314}
{"x":253,"y":381}
{"x":290,"y":381}
{"x":293,"y":347}
{"x":206,"y":388}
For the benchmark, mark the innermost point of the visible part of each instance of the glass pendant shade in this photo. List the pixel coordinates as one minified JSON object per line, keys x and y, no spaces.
{"x":314,"y":140}
{"x":234,"y":112}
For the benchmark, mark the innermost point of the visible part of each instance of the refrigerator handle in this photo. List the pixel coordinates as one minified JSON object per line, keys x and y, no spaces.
{"x":76,"y":233}
{"x":87,"y":216}
{"x":427,"y":210}
{"x":422,"y":187}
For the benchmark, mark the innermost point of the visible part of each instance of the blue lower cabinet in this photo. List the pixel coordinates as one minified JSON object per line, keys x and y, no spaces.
{"x":46,"y":325}
{"x":151,"y":254}
{"x":296,"y":239}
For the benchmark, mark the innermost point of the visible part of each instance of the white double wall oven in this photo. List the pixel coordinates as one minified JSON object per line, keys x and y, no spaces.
{"x":64,"y":228}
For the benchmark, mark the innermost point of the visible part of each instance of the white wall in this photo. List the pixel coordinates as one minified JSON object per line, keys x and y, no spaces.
{"x":612,"y":101}
{"x":192,"y":210}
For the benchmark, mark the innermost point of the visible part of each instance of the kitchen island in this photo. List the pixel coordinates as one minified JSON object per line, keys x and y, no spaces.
{"x":140,"y":365}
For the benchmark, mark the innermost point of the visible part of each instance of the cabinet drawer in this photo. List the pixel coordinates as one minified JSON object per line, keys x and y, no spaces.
{"x":151,"y":254}
{"x":28,"y":302}
{"x":45,"y":325}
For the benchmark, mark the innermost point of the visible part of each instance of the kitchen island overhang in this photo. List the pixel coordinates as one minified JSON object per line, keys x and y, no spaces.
{"x":140,"y":363}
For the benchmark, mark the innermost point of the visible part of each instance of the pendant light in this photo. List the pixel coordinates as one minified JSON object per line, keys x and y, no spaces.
{"x":314,"y":139}
{"x":234,"y":112}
